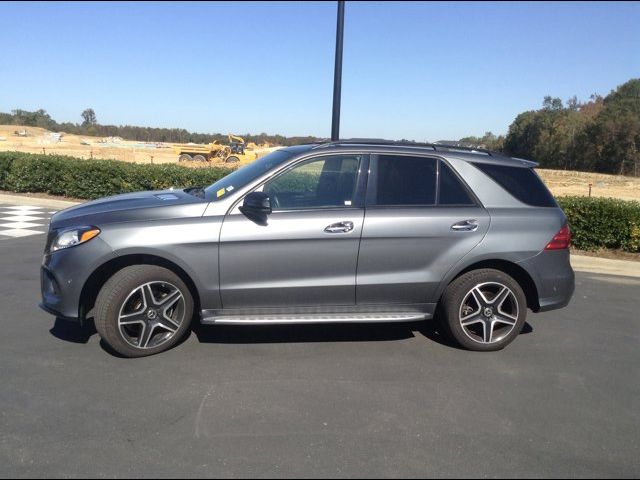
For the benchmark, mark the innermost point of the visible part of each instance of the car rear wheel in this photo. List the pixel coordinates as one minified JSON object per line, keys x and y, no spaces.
{"x":143,"y":310}
{"x":199,"y":158}
{"x":483,"y":310}
{"x":185,"y":157}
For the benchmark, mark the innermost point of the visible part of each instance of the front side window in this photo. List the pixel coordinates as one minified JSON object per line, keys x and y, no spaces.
{"x":325,"y":182}
{"x":403,"y":180}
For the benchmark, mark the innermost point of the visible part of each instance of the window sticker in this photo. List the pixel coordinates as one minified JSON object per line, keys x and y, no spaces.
{"x":220,"y":192}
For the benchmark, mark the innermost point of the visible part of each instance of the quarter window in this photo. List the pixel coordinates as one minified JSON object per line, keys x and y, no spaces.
{"x":521,"y":182}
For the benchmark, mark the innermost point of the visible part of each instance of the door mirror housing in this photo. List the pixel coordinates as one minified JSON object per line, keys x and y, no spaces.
{"x":257,"y":202}
{"x":256,"y":206}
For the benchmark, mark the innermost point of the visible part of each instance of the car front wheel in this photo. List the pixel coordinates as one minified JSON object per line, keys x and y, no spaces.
{"x":143,"y":310}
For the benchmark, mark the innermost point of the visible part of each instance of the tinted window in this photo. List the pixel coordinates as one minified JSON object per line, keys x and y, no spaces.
{"x":323,"y":182}
{"x":405,"y":180}
{"x":452,"y":191}
{"x":522,"y":183}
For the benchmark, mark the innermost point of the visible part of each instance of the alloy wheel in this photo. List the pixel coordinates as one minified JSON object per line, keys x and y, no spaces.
{"x":151,"y":314}
{"x":488,"y":313}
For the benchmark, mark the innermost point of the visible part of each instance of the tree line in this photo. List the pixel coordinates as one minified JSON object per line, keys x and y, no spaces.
{"x":90,"y":126}
{"x":601,"y":134}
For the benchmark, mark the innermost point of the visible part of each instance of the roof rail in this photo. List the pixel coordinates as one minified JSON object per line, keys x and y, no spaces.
{"x":382,"y":142}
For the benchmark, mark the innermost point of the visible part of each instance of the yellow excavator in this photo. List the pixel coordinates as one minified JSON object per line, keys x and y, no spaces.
{"x":237,"y":144}
{"x":211,"y":152}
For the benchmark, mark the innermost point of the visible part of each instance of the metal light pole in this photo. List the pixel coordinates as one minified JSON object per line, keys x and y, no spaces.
{"x":337,"y":75}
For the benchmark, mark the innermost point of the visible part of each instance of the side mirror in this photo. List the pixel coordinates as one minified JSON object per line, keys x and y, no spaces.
{"x":256,"y":206}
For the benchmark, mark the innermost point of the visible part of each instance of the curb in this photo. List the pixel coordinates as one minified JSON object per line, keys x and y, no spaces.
{"x":36,"y":201}
{"x":605,"y":266}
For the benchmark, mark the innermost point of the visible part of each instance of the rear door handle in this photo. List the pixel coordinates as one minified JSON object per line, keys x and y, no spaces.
{"x":340,"y":227}
{"x":465,"y":226}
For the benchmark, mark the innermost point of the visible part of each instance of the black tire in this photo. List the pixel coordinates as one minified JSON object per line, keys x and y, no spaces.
{"x":199,"y":158}
{"x":121,"y":288}
{"x":185,"y":157}
{"x":459,"y":305}
{"x":232,"y":159}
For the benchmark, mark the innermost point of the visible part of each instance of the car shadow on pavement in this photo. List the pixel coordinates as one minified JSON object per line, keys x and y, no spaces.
{"x":324,"y":333}
{"x":431,"y":330}
{"x":378,"y":332}
{"x":73,"y":332}
{"x":301,"y":333}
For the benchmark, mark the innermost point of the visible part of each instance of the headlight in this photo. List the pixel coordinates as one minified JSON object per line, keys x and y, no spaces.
{"x":72,"y":237}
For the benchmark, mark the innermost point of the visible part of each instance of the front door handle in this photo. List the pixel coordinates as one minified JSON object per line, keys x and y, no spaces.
{"x":340,"y":227}
{"x":465,"y":226}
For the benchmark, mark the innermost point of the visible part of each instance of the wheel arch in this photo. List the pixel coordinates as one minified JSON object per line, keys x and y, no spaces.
{"x":519,"y":274}
{"x":100,"y":275}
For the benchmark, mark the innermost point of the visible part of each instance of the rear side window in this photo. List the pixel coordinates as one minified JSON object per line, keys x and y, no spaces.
{"x":522,"y":183}
{"x":452,"y":191}
{"x":405,"y":180}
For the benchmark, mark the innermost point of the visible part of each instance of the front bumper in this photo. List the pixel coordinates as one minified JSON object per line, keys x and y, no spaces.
{"x":56,"y":314}
{"x":64,"y":273}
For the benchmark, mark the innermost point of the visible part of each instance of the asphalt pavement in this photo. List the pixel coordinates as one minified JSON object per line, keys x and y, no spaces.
{"x":315,"y":401}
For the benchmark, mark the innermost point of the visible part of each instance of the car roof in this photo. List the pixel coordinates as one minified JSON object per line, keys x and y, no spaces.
{"x":470,"y":154}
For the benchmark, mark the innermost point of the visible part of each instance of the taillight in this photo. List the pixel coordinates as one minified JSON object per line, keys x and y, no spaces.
{"x":561,"y":240}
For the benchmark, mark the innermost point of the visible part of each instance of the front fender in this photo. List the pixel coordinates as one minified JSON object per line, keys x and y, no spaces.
{"x":203,"y":273}
{"x":191,"y":244}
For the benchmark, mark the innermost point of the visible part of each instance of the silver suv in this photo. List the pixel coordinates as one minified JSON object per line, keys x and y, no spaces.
{"x":326,"y":233}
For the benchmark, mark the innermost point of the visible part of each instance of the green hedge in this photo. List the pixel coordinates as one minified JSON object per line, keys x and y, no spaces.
{"x":595,"y":222}
{"x":88,"y":179}
{"x":603,"y":223}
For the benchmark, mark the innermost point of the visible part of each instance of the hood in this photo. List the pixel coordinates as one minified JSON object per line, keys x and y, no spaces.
{"x":152,"y":205}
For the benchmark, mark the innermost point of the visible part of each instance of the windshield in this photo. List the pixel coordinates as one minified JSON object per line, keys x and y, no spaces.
{"x":246,"y":174}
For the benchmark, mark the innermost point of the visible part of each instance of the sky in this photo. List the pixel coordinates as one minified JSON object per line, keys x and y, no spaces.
{"x":422,"y":71}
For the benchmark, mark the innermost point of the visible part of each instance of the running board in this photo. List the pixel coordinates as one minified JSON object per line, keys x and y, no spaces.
{"x":314,"y":318}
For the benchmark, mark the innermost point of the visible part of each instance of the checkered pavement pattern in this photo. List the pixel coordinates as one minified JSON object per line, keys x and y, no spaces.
{"x":23,"y":220}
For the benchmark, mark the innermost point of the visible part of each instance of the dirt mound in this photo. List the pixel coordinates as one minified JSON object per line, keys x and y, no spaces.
{"x":567,"y":182}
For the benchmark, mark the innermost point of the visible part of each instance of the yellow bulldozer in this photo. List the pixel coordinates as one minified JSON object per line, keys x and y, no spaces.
{"x":213,"y":152}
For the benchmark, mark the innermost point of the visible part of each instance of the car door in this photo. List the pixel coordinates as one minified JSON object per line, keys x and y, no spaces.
{"x":305,"y":254}
{"x":420,"y":220}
